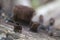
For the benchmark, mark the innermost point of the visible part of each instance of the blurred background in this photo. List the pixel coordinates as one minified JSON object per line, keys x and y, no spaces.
{"x":8,"y":4}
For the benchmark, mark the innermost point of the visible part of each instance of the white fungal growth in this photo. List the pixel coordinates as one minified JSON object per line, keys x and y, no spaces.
{"x":48,"y":10}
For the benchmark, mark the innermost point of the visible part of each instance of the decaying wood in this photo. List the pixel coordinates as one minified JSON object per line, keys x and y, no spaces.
{"x":23,"y":13}
{"x":34,"y":27}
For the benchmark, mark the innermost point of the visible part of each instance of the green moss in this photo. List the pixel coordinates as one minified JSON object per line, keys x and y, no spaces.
{"x":35,"y":3}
